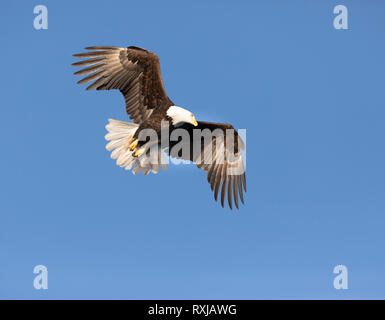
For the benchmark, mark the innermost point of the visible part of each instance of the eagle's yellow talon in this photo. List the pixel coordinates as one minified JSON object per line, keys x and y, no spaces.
{"x":139,"y":152}
{"x":133,"y":145}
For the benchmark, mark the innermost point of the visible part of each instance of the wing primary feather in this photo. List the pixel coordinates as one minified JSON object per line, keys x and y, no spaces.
{"x":218,"y":183}
{"x":91,"y":77}
{"x":214,"y":177}
{"x":103,"y":48}
{"x":235,"y":186}
{"x":210,"y":172}
{"x":223,"y":192}
{"x":229,"y":192}
{"x":240,"y":189}
{"x":88,"y":62}
{"x":244,"y":181}
{"x":90,"y":54}
{"x":88,"y":70}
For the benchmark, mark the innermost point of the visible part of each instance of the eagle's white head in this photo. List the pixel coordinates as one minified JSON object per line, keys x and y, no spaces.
{"x":180,"y":115}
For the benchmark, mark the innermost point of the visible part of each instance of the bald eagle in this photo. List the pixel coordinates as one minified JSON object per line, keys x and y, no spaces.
{"x":136,"y":73}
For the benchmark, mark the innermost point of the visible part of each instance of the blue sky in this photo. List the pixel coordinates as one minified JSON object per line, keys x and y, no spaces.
{"x":311,"y":98}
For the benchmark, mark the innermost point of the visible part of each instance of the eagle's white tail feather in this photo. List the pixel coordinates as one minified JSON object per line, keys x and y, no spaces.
{"x":120,"y":135}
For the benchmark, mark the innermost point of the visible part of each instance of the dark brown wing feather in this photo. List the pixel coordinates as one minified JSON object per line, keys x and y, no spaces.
{"x":134,"y":71}
{"x":225,"y":169}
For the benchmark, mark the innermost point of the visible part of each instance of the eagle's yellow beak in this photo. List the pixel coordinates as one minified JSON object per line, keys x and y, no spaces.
{"x":194,"y":122}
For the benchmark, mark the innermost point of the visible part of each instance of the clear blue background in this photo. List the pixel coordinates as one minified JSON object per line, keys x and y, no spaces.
{"x":312,"y":100}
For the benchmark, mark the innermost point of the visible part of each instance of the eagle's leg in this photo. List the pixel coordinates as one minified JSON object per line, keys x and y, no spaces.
{"x":133,"y":145}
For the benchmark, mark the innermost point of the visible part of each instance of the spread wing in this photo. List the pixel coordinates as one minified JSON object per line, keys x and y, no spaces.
{"x":134,"y":71}
{"x":219,"y":155}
